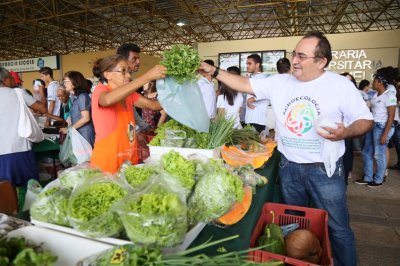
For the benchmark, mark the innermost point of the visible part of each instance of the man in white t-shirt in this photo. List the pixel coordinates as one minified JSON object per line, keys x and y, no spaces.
{"x":256,"y":109}
{"x":298,"y":99}
{"x":206,"y":86}
{"x":53,"y":103}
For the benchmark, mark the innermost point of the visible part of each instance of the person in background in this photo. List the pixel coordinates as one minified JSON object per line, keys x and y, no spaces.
{"x":112,"y":110}
{"x":348,"y":157}
{"x":283,"y":66}
{"x":153,"y":118}
{"x":256,"y":109}
{"x":383,"y":106}
{"x":395,"y":86}
{"x":230,"y":102}
{"x":364,"y":89}
{"x":65,"y":107}
{"x":131,"y":52}
{"x":298,"y":99}
{"x":80,"y":109}
{"x":17,"y":160}
{"x":39,"y":89}
{"x":206,"y":86}
{"x":53,"y":103}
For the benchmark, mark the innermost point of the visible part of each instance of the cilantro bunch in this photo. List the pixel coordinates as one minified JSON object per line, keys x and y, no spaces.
{"x":90,"y":208}
{"x":155,"y":217}
{"x":51,"y":206}
{"x":214,"y":194}
{"x":181,"y":61}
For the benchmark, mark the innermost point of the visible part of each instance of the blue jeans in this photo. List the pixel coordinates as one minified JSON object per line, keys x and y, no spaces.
{"x":303,"y":183}
{"x":373,"y":149}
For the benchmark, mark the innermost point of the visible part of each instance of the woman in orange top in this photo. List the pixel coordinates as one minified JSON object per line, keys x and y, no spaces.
{"x":112,"y":111}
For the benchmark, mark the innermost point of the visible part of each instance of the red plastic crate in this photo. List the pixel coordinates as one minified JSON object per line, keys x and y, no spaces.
{"x":315,"y":220}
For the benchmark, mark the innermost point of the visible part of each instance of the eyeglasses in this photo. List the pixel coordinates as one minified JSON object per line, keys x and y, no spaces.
{"x":123,"y":71}
{"x":301,"y":57}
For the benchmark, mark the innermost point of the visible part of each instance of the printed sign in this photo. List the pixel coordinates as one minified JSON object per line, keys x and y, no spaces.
{"x":31,"y":64}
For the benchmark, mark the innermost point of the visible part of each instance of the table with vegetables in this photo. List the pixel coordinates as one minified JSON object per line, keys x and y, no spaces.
{"x":179,"y":207}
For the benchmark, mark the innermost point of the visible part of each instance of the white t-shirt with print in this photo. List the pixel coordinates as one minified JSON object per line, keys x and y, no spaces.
{"x":296,"y":104}
{"x":258,"y":115}
{"x":209,"y":96}
{"x":380,"y":103}
{"x":231,"y":111}
{"x":52,"y":96}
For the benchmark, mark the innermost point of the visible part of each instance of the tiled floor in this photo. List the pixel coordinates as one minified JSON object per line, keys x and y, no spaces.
{"x":375,"y":217}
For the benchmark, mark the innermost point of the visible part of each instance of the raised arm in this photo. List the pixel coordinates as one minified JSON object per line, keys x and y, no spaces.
{"x":236,"y":82}
{"x":114,"y":96}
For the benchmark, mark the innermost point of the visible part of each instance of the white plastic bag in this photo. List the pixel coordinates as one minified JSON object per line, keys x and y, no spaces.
{"x":27,"y":126}
{"x":75,"y":149}
{"x":330,"y":150}
{"x":34,"y":189}
{"x":184,"y":103}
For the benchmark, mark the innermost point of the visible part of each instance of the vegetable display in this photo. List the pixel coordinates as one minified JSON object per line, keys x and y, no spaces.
{"x":90,"y":208}
{"x":238,"y":210}
{"x":51,"y":206}
{"x":176,"y":165}
{"x":16,"y":251}
{"x":200,"y":138}
{"x":155,"y":217}
{"x":147,"y":256}
{"x":138,"y":177}
{"x":272,"y":239}
{"x":215,"y":193}
{"x":182,"y":62}
{"x":74,"y":175}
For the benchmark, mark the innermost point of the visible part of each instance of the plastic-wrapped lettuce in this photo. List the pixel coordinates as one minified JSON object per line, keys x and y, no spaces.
{"x":177,"y":166}
{"x":90,"y":207}
{"x":139,"y":176}
{"x":51,"y":206}
{"x":214,"y":194}
{"x":74,"y":175}
{"x":125,"y":255}
{"x":156,"y":216}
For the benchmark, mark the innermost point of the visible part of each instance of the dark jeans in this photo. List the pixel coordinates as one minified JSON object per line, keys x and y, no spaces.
{"x":348,"y":158}
{"x":302,"y":183}
{"x":396,"y":142}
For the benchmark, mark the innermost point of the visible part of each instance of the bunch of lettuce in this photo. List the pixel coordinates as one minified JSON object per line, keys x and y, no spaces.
{"x":90,"y":208}
{"x":155,"y":217}
{"x":138,"y":177}
{"x":214,"y":194}
{"x":201,"y":138}
{"x":182,"y":62}
{"x":74,"y":175}
{"x":177,"y":166}
{"x":51,"y":206}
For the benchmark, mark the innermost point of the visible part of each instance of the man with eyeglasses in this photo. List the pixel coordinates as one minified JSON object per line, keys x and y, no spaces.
{"x":298,"y":99}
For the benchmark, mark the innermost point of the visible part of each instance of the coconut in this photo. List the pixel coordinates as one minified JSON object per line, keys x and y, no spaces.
{"x":303,"y":245}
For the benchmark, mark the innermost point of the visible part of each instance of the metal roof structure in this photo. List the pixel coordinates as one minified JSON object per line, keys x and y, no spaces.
{"x":31,"y":28}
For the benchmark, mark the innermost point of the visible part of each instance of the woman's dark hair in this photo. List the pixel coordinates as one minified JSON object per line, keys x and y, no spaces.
{"x":78,"y":81}
{"x":106,"y":64}
{"x":388,"y":75}
{"x":352,"y":79}
{"x":363,"y":83}
{"x":229,"y":94}
{"x":152,"y":86}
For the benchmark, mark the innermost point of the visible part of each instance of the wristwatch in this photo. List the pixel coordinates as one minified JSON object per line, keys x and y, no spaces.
{"x":216,"y":72}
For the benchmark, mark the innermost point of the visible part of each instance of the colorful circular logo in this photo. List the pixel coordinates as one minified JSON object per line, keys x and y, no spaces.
{"x":300,"y":119}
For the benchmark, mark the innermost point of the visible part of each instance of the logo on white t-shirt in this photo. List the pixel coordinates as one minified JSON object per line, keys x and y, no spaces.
{"x":300,"y":113}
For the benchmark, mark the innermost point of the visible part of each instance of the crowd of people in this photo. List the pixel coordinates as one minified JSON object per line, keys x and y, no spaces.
{"x":108,"y":117}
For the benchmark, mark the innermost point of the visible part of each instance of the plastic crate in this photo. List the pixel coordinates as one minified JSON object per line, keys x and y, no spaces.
{"x":315,"y":220}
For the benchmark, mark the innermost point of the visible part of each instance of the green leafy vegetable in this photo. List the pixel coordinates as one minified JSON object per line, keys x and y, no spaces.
{"x":181,"y":61}
{"x":201,"y":138}
{"x":221,"y":129}
{"x":214,"y":194}
{"x":137,"y":177}
{"x":51,"y":206}
{"x":90,"y":208}
{"x":72,"y":176}
{"x":156,"y":217}
{"x":176,"y":165}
